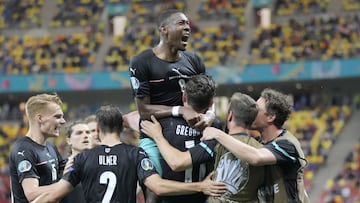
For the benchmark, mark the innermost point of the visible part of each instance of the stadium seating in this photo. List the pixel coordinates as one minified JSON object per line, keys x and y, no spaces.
{"x":345,"y":187}
{"x":62,"y":53}
{"x":77,"y":12}
{"x":317,"y":129}
{"x":350,"y":5}
{"x":143,"y":11}
{"x":20,"y":13}
{"x":222,"y":9}
{"x":291,"y":7}
{"x":316,"y":39}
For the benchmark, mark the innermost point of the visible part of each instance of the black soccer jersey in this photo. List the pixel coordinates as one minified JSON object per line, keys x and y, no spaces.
{"x":110,"y":174}
{"x":183,"y":137}
{"x":29,"y":159}
{"x":161,"y":80}
{"x":76,"y":195}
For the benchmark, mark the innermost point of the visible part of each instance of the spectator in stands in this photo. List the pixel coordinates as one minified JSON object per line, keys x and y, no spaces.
{"x":281,"y":152}
{"x":345,"y":187}
{"x":35,"y":162}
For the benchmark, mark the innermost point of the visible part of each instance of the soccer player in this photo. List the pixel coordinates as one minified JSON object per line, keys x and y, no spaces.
{"x":158,"y":76}
{"x":109,"y":172}
{"x":94,"y":138}
{"x":242,"y":180}
{"x":281,"y":153}
{"x":79,"y":139}
{"x":35,"y":162}
{"x":186,"y":159}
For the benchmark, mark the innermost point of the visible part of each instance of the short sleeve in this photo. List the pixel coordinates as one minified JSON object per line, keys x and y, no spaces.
{"x":203,"y":152}
{"x":283,"y":150}
{"x":139,"y":80}
{"x":25,"y":163}
{"x":145,"y":167}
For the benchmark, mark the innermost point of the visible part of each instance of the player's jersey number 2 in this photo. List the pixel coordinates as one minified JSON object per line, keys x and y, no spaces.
{"x":108,"y":178}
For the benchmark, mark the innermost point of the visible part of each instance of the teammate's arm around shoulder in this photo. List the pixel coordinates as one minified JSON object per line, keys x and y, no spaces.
{"x":168,"y":187}
{"x":54,"y":192}
{"x":255,"y":156}
{"x":176,"y":159}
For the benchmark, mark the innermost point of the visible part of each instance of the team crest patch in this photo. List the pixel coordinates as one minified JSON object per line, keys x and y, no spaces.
{"x":24,"y":166}
{"x":146,"y":164}
{"x":135,"y":83}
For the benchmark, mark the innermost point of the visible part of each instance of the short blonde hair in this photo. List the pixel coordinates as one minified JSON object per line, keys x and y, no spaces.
{"x":36,"y":104}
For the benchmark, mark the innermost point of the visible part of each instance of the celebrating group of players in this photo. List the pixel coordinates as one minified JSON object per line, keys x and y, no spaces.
{"x":181,"y":139}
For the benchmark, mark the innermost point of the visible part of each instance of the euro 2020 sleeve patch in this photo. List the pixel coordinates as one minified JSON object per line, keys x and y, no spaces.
{"x":135,"y":83}
{"x":24,"y":166}
{"x":146,"y":164}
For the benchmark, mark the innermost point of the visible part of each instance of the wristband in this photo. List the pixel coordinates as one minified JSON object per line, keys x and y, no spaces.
{"x":175,"y":110}
{"x":209,"y":116}
{"x":210,"y":113}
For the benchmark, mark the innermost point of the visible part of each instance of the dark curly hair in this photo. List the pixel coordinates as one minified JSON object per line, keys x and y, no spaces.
{"x":277,"y":104}
{"x":200,"y":91}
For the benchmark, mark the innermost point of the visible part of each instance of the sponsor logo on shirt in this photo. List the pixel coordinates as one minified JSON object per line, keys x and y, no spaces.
{"x":21,"y":153}
{"x":24,"y":166}
{"x":143,"y":153}
{"x":132,"y":70}
{"x":146,"y":164}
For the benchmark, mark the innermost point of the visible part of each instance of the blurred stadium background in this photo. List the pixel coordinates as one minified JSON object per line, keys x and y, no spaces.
{"x":307,"y":48}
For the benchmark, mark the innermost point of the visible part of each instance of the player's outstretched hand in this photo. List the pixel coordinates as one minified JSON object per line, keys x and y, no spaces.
{"x":210,"y":133}
{"x":151,"y":128}
{"x":212,"y":188}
